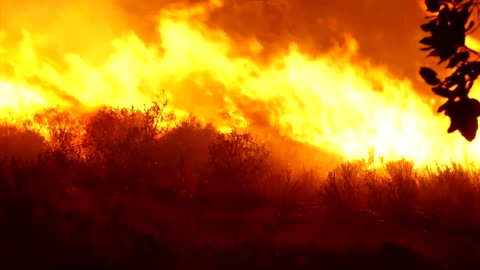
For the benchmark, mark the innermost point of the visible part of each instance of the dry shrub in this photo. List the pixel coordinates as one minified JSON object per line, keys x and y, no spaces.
{"x":114,"y":134}
{"x":341,"y":189}
{"x":63,"y":133}
{"x":183,"y":152}
{"x":401,"y":186}
{"x":118,"y":136}
{"x":114,"y":190}
{"x":119,"y":145}
{"x":285,"y":186}
{"x":21,"y":144}
{"x":391,"y":189}
{"x":450,"y":195}
{"x":445,"y":199}
{"x":237,"y":164}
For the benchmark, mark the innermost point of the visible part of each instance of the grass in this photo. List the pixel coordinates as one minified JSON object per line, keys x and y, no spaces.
{"x":123,"y":191}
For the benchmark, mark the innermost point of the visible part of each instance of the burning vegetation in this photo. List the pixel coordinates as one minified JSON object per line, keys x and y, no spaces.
{"x":264,"y":151}
{"x":123,"y":190}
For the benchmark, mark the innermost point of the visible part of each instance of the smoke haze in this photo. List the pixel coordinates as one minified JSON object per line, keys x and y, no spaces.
{"x":387,"y":31}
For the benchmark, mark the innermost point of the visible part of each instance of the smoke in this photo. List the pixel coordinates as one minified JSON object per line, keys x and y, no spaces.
{"x":387,"y":31}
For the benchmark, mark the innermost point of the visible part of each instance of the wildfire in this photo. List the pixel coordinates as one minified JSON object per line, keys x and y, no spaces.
{"x":330,"y":101}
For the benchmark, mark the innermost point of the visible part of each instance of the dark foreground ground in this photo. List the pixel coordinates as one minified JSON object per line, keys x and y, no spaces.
{"x":221,"y":236}
{"x":123,"y":196}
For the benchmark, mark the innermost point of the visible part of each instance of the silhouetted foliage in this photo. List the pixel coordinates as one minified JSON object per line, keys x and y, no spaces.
{"x":187,"y":146}
{"x":449,"y":24}
{"x":22,"y":144}
{"x":236,"y":161}
{"x":126,"y":191}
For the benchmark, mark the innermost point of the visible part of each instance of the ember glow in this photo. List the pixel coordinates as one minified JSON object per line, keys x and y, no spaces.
{"x":330,"y":101}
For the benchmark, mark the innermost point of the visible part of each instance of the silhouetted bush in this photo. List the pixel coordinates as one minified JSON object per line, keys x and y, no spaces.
{"x":129,"y":187}
{"x":237,"y":163}
{"x":21,"y":144}
{"x":117,"y":136}
{"x":185,"y":146}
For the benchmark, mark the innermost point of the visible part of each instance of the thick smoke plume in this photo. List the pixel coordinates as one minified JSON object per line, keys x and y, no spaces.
{"x":387,"y":31}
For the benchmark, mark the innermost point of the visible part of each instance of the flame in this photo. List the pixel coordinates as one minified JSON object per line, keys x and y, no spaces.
{"x":330,"y":101}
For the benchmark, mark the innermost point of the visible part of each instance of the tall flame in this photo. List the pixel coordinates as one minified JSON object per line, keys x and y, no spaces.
{"x":330,"y":101}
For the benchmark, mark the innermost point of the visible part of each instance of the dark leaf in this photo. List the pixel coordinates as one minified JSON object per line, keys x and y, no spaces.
{"x":443,"y":92}
{"x":446,"y":53}
{"x":470,"y":84}
{"x":468,"y":128}
{"x":449,"y":24}
{"x":432,"y":5}
{"x":461,"y":90}
{"x":458,"y":58}
{"x":429,"y":76}
{"x":429,"y":41}
{"x":463,"y":56}
{"x":474,"y":107}
{"x":434,"y":53}
{"x":430,"y":26}
{"x":450,"y":81}
{"x":444,"y":16}
{"x":465,"y":12}
{"x":474,"y":67}
{"x":473,"y":77}
{"x":446,"y":107}
{"x":453,"y":125}
{"x":463,"y":117}
{"x":474,"y":70}
{"x":453,"y":62}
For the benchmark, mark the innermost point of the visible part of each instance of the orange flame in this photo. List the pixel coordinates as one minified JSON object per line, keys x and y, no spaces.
{"x":329,"y":101}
